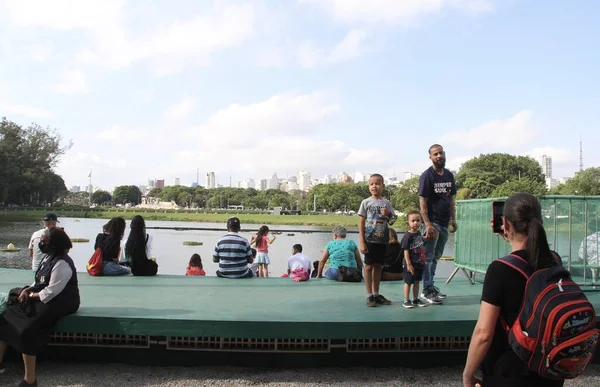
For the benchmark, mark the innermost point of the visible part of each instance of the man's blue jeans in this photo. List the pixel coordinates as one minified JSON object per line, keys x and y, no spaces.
{"x":434,"y":248}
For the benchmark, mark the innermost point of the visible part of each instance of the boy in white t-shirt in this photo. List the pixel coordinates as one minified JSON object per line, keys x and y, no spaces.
{"x":298,"y":265}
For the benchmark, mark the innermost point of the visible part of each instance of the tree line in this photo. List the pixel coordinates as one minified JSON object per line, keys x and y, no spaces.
{"x":27,"y":158}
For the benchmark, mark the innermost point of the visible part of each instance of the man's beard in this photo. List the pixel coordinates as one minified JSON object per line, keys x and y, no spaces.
{"x":440,"y":163}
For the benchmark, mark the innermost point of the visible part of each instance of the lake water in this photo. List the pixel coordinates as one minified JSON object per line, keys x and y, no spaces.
{"x":172,"y":256}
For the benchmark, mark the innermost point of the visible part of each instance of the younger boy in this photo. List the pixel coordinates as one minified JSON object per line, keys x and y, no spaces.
{"x":414,"y":260}
{"x":376,"y":215}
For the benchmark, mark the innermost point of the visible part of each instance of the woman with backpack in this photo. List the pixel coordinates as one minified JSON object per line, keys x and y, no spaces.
{"x":502,"y":297}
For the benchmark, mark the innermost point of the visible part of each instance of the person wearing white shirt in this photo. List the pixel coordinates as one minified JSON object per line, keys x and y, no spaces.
{"x":298,"y":264}
{"x":35,"y":254}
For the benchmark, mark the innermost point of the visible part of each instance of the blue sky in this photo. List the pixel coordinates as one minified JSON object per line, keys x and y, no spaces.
{"x":157,"y":89}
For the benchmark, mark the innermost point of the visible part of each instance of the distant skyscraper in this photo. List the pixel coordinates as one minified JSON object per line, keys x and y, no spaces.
{"x":263,"y":184}
{"x":75,"y":188}
{"x":159,"y":183}
{"x":150,"y":183}
{"x":304,"y":180}
{"x":546,"y":162}
{"x":360,"y":177}
{"x":273,"y":182}
{"x":177,"y":181}
{"x":211,"y":181}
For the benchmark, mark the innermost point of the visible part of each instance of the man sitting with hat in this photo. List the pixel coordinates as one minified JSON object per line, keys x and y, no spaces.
{"x":233,"y":252}
{"x":35,"y":254}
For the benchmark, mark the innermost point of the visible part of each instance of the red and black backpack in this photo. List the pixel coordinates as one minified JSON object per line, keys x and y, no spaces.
{"x":555,"y":332}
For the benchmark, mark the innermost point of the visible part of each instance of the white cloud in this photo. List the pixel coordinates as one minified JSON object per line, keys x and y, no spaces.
{"x":26,"y":111}
{"x":62,"y":14}
{"x":503,"y":133}
{"x":117,"y":134}
{"x":41,"y":52}
{"x":171,"y":48}
{"x":281,"y":133}
{"x":559,"y":155}
{"x":180,"y":110}
{"x":406,"y":13}
{"x":71,"y":81}
{"x":350,"y":47}
{"x":281,"y":114}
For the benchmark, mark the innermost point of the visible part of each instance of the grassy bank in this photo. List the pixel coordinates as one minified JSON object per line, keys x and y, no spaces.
{"x":191,"y":216}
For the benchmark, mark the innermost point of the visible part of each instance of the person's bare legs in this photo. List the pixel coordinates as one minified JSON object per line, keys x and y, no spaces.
{"x":29,"y":362}
{"x":415,"y":290}
{"x":260,"y":270}
{"x":377,"y":268}
{"x":369,"y":278}
{"x":266,"y":270}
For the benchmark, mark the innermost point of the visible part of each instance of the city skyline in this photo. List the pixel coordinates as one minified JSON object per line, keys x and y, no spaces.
{"x":245,"y":88}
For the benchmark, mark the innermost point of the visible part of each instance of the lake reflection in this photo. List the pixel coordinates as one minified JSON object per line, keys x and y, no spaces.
{"x":172,"y":256}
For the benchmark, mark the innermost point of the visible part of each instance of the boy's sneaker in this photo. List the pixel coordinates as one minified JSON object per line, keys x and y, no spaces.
{"x":408,"y":304}
{"x":439,"y":294}
{"x":381,"y":300}
{"x":25,"y":384}
{"x":371,"y":301}
{"x":419,"y":303}
{"x":431,"y":297}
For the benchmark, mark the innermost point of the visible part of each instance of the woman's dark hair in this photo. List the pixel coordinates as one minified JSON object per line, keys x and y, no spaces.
{"x":524,"y":213}
{"x":115,"y":227}
{"x":196,"y":261}
{"x":58,"y":240}
{"x":262,"y":231}
{"x":135,"y":248}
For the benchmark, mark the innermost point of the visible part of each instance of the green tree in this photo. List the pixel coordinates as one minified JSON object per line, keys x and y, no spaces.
{"x":484,"y":174}
{"x":406,"y":196}
{"x":586,"y":182}
{"x":523,"y":185}
{"x":463,"y":193}
{"x":101,"y":197}
{"x":27,"y":157}
{"x":127,"y":194}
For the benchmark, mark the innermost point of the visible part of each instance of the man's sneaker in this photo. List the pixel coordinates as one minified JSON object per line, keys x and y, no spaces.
{"x":371,"y":301}
{"x":408,"y":304}
{"x":431,"y":297}
{"x":419,"y":303}
{"x":439,"y":294}
{"x":25,"y":384}
{"x":381,"y":300}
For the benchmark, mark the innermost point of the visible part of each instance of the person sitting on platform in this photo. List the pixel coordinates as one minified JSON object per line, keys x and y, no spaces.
{"x":109,"y":242}
{"x":195,"y":266}
{"x":340,"y":252}
{"x":138,"y":249}
{"x":233,"y":252}
{"x":392,"y":265}
{"x":298,"y":265}
{"x":31,"y":312}
{"x":253,"y":266}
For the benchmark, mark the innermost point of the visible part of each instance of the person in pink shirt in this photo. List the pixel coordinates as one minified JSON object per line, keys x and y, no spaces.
{"x":195,"y":266}
{"x":262,"y":242}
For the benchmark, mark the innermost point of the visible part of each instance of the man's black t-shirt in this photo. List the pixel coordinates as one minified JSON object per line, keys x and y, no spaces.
{"x":438,"y":190}
{"x":505,"y":287}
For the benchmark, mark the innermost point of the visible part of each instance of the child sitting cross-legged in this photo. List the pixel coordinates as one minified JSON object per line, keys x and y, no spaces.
{"x":195,"y":266}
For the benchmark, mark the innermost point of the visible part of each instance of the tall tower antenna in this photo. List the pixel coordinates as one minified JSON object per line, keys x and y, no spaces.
{"x":197,"y":176}
{"x":580,"y":154}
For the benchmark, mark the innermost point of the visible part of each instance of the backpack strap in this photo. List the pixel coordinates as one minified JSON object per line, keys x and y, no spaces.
{"x":520,"y":265}
{"x":517,"y":263}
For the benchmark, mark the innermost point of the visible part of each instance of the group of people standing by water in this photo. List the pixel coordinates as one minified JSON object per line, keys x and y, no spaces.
{"x":31,"y":312}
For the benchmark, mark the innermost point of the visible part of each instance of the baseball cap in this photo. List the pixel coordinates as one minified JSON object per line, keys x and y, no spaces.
{"x":233,"y":222}
{"x":50,"y":216}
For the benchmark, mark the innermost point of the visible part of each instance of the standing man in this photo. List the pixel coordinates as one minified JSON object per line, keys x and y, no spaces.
{"x":35,"y":254}
{"x":437,"y":199}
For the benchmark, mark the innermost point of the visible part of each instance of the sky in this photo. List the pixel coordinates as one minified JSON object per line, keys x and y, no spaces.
{"x":160,"y":89}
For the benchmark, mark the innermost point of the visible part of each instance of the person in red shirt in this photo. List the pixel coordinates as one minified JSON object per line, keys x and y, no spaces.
{"x":195,"y":266}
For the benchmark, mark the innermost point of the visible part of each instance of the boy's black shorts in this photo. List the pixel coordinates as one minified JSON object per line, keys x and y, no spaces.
{"x":376,"y":254}
{"x":410,"y":278}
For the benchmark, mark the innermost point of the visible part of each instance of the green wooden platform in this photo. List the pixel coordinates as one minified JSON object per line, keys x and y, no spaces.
{"x":210,"y":313}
